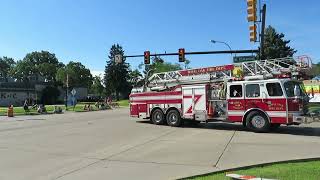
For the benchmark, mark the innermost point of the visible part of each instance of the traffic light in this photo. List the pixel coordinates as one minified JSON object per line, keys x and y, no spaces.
{"x":147,"y":57}
{"x":252,"y":10}
{"x":253,"y":33}
{"x":181,"y":55}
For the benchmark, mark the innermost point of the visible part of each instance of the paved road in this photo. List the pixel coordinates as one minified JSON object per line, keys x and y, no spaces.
{"x":110,"y":145}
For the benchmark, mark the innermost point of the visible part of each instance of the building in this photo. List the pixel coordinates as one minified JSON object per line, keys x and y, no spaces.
{"x":15,"y":93}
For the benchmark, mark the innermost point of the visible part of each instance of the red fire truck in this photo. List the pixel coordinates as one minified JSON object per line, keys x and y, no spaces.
{"x":259,"y":94}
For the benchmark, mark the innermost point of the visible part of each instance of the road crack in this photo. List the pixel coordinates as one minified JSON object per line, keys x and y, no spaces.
{"x":225,"y":148}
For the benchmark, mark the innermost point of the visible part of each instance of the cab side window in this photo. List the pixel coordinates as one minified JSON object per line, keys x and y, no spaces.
{"x":235,"y":91}
{"x":252,"y":90}
{"x":274,"y":89}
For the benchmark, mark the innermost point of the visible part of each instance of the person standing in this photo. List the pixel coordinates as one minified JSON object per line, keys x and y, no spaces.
{"x":25,"y":106}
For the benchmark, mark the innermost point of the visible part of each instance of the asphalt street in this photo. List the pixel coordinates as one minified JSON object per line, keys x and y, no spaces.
{"x":111,"y":145}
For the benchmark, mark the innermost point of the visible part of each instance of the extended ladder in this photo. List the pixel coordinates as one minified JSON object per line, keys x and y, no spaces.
{"x":266,"y":68}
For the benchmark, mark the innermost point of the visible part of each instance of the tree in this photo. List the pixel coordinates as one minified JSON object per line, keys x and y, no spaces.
{"x":23,"y":70}
{"x":315,"y":70}
{"x":6,"y":67}
{"x":50,"y":95}
{"x":135,"y":78}
{"x":275,"y":46}
{"x":97,"y":87}
{"x":75,"y":74}
{"x":37,"y":64}
{"x":116,"y":74}
{"x":187,"y":64}
{"x":46,"y":64}
{"x":159,"y":65}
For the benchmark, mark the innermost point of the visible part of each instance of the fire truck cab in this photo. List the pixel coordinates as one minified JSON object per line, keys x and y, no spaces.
{"x":259,"y":102}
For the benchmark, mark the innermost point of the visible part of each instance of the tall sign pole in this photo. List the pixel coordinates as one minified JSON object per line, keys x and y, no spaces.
{"x":67,"y":91}
{"x":263,"y":25}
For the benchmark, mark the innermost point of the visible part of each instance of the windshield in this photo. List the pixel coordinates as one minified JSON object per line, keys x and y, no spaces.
{"x":294,"y":88}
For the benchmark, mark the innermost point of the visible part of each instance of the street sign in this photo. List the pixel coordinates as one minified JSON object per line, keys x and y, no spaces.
{"x":239,"y":59}
{"x":73,"y":92}
{"x":118,"y":58}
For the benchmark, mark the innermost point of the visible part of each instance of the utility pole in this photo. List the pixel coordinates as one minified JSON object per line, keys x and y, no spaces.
{"x":67,"y":93}
{"x":263,"y":24}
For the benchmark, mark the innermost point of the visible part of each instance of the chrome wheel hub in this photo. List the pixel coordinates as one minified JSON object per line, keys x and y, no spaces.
{"x":157,"y":117}
{"x":258,"y":121}
{"x":173,"y":118}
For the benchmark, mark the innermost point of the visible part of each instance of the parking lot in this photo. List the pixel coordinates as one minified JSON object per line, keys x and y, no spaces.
{"x":111,"y":145}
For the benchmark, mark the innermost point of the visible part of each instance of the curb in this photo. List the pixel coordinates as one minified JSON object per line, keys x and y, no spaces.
{"x":253,"y":166}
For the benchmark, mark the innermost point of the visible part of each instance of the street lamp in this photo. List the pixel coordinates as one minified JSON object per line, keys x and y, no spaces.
{"x":214,"y":41}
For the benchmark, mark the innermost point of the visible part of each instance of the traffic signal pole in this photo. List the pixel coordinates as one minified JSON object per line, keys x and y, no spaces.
{"x":263,"y":25}
{"x":200,"y":52}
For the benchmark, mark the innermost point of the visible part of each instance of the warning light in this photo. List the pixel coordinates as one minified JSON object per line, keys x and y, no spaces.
{"x":253,"y":33}
{"x":147,"y":57}
{"x":181,"y":55}
{"x":252,"y":10}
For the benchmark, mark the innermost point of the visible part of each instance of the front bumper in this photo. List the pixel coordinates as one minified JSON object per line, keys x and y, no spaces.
{"x":305,"y":119}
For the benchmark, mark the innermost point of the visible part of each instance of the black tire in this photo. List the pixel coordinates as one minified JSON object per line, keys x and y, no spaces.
{"x":157,"y":117}
{"x":173,"y":118}
{"x":257,"y":122}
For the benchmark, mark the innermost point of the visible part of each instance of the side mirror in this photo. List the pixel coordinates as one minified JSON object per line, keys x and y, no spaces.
{"x":296,"y":91}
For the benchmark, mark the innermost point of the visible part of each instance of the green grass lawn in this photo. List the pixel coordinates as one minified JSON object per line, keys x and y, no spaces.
{"x":284,"y":171}
{"x":18,"y":111}
{"x":124,"y":103}
{"x":314,"y":107}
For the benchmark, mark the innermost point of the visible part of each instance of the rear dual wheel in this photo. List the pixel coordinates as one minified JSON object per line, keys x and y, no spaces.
{"x":173,"y":118}
{"x":157,"y":117}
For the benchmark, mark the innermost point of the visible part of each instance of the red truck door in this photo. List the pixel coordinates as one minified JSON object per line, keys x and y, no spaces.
{"x":253,"y":96}
{"x":268,"y":97}
{"x":236,"y":105}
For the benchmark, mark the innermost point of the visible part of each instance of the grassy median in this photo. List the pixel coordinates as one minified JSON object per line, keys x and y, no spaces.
{"x":123,"y":103}
{"x":18,"y":111}
{"x":283,"y":171}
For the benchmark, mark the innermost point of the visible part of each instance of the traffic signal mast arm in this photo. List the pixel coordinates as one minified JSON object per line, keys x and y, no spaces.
{"x":200,"y":52}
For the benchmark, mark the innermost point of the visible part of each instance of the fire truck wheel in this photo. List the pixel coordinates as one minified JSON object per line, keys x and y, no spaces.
{"x":157,"y":117}
{"x":258,"y":122}
{"x":174,"y":119}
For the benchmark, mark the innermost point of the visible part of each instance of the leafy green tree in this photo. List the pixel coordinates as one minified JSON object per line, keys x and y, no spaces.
{"x":37,"y":64}
{"x":97,"y":87}
{"x":46,"y":64}
{"x":23,"y":70}
{"x":75,"y":74}
{"x":6,"y":67}
{"x":315,"y":70}
{"x":136,"y":78}
{"x":187,"y":64}
{"x":275,"y":46}
{"x":50,"y":95}
{"x":159,"y":65}
{"x":116,"y":74}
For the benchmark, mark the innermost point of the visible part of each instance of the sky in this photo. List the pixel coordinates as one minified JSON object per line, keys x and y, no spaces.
{"x":85,"y":30}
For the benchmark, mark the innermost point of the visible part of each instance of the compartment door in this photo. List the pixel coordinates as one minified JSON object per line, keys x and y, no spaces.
{"x":194,"y":100}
